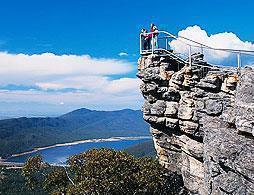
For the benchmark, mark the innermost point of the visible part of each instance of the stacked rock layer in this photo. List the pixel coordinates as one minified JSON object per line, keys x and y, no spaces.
{"x":202,"y":123}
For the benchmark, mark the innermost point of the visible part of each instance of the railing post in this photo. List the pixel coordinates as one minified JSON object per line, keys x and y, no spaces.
{"x":140,"y":43}
{"x":152,"y":44}
{"x":239,"y":60}
{"x":202,"y":50}
{"x":189,"y":55}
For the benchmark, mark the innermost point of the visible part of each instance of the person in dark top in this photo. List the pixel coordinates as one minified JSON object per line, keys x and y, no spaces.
{"x":145,"y":40}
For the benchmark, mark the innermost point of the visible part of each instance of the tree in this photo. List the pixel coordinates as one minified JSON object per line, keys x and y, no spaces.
{"x":33,"y":171}
{"x":106,"y":171}
{"x":2,"y":174}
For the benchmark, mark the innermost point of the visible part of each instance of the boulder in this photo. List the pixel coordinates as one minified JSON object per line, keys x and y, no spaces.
{"x":188,"y":127}
{"x":146,"y":108}
{"x":211,"y":82}
{"x":148,"y":87}
{"x":171,"y":109}
{"x":213,"y":107}
{"x":171,"y":95}
{"x":172,"y":123}
{"x":245,"y":102}
{"x":149,"y":97}
{"x":158,"y":108}
{"x":200,"y":105}
{"x":178,"y":78}
{"x":151,"y":74}
{"x":185,"y":113}
{"x":162,"y":90}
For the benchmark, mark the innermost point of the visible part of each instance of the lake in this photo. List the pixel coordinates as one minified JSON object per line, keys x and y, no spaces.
{"x":59,"y":155}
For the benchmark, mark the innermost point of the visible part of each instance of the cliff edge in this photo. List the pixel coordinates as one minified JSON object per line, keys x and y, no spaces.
{"x":202,"y":122}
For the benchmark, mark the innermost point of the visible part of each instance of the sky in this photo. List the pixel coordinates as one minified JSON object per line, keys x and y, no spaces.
{"x":57,"y":56}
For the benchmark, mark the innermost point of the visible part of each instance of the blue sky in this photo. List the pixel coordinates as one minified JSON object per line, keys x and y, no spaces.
{"x":103,"y":28}
{"x":100,"y":29}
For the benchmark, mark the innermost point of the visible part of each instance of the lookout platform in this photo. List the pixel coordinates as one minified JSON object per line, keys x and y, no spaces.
{"x":194,"y":53}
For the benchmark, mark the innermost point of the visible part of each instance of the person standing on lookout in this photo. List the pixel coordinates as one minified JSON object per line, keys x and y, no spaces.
{"x":154,"y":34}
{"x":145,"y":40}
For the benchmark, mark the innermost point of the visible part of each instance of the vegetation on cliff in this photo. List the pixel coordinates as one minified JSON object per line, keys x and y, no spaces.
{"x":12,"y":182}
{"x":102,"y":171}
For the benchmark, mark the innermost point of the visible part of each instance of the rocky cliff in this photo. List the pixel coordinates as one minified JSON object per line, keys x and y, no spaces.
{"x":202,"y":122}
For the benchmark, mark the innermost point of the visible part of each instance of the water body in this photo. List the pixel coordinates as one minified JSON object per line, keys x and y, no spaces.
{"x":59,"y":155}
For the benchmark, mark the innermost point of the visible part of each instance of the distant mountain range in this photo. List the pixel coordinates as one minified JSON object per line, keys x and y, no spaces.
{"x":142,"y":149}
{"x":22,"y":134}
{"x":4,"y":117}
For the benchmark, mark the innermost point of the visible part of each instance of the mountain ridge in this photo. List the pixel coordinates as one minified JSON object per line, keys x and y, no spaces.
{"x":22,"y":134}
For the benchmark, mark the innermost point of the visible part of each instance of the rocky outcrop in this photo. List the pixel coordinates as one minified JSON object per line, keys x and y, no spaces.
{"x":202,"y":123}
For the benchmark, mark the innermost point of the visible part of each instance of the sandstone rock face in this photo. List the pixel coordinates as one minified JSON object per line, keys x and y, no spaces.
{"x":202,"y":123}
{"x":245,"y":102}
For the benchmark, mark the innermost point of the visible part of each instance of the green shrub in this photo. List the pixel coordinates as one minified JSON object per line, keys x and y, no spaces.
{"x":103,"y":171}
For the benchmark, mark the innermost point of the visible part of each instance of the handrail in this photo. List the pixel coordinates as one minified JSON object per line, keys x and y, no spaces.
{"x":201,"y":44}
{"x":212,"y":66}
{"x":193,"y":43}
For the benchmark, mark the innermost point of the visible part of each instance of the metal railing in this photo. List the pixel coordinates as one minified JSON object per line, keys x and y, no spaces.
{"x":159,"y":42}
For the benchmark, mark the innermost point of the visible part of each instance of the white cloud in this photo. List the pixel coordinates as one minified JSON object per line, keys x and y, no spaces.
{"x":123,"y":54}
{"x":95,"y":84}
{"x":226,"y":40}
{"x":52,"y":72}
{"x":89,"y":82}
{"x":91,"y":79}
{"x":123,"y":85}
{"x":107,"y":95}
{"x":35,"y":101}
{"x":29,"y":69}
